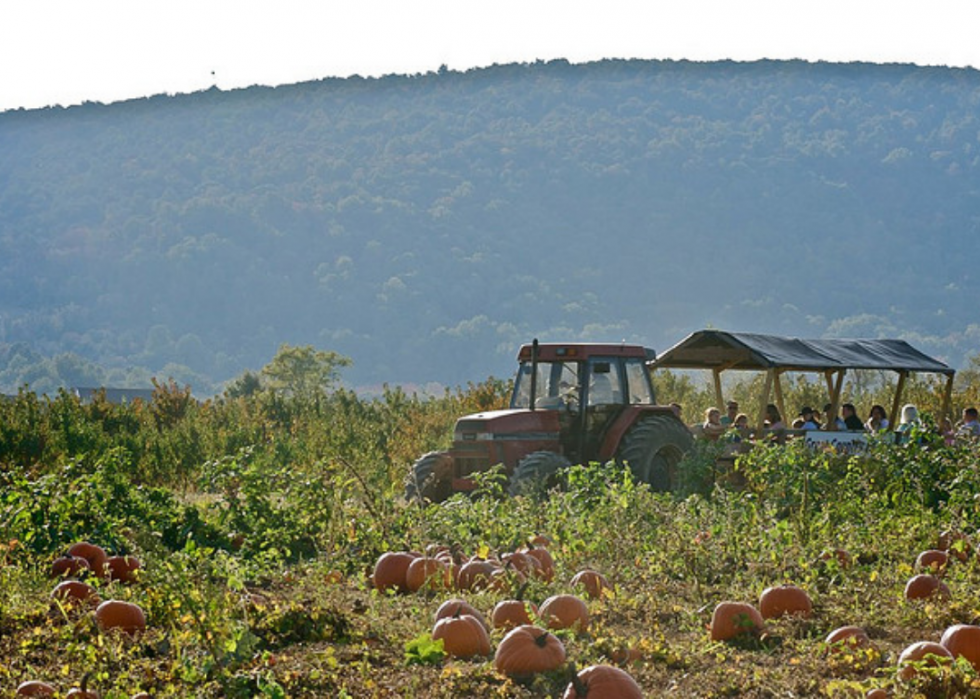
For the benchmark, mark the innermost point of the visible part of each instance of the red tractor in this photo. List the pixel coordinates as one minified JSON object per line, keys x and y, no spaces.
{"x":572,"y":403}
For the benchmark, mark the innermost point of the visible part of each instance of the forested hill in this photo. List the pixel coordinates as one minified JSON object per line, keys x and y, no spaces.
{"x":425,"y":225}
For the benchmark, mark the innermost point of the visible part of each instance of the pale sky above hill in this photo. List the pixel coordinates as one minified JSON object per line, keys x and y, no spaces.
{"x":69,"y":51}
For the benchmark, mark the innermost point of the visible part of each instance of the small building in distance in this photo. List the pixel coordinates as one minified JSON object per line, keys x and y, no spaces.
{"x":118,"y":396}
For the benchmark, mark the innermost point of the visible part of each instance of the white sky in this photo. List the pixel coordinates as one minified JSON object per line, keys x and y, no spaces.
{"x":69,"y":51}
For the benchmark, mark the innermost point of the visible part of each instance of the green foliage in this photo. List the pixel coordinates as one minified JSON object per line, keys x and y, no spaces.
{"x":303,"y":372}
{"x":422,"y":650}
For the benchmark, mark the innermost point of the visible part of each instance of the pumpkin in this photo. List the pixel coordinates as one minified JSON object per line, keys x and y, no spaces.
{"x":527,"y":650}
{"x":963,"y":640}
{"x":546,"y":564}
{"x":847,"y":638}
{"x":521,"y":561}
{"x":68,"y":565}
{"x":509,"y":613}
{"x":539,"y":540}
{"x":463,"y":636}
{"x":35,"y":688}
{"x":603,"y":682}
{"x":75,"y":590}
{"x":391,"y":570}
{"x":733,"y":619}
{"x":933,"y":559}
{"x":842,"y":556}
{"x":784,"y":600}
{"x":429,"y":572}
{"x":925,"y":586}
{"x":81,"y":693}
{"x":454,"y":606}
{"x":116,"y":614}
{"x":95,"y":555}
{"x":475,"y":574}
{"x":877,"y":693}
{"x":932,"y":653}
{"x":564,"y":612}
{"x":956,"y":543}
{"x":123,"y":568}
{"x":595,"y":584}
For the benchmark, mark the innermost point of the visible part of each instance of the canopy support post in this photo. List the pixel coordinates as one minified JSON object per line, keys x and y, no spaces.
{"x":716,"y":375}
{"x":766,"y":390}
{"x":778,"y":387}
{"x":835,"y":399}
{"x":947,"y":410}
{"x":897,"y":402}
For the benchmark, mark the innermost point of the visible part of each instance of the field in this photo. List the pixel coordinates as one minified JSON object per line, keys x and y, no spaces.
{"x":258,"y":520}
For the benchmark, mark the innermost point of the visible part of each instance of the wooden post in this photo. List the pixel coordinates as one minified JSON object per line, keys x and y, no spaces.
{"x":778,"y":386}
{"x":716,"y":374}
{"x":897,"y":403}
{"x":766,"y":390}
{"x":948,"y":399}
{"x":835,"y":398}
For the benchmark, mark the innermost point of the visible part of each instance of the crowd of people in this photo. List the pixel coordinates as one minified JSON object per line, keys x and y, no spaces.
{"x":736,"y":424}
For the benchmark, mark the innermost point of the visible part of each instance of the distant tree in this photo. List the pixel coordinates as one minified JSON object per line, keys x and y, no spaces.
{"x":248,"y":384}
{"x":303,"y":371}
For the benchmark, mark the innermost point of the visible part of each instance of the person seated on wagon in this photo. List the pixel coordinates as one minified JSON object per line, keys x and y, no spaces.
{"x":712,"y":427}
{"x":878,"y":420}
{"x":851,"y":420}
{"x":809,"y":421}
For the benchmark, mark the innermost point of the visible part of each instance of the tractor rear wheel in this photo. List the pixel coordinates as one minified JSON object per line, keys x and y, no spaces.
{"x":537,"y":472}
{"x":653,"y":448}
{"x":431,"y":478}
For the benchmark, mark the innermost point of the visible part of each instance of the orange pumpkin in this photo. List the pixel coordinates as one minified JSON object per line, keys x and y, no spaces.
{"x":932,"y":653}
{"x":527,"y":650}
{"x":35,"y":688}
{"x":847,"y":638}
{"x":784,"y":600}
{"x":116,"y":614}
{"x":68,"y":565}
{"x":842,"y":556}
{"x":956,"y":543}
{"x":391,"y":570}
{"x":456,"y":606}
{"x":603,"y":682}
{"x":95,"y":555}
{"x":877,"y":693}
{"x":463,"y":636}
{"x":429,"y":572}
{"x":594,"y":583}
{"x":925,"y":586}
{"x":963,"y":640}
{"x":733,"y":619}
{"x":521,"y":561}
{"x":123,"y":568}
{"x":564,"y":612}
{"x":546,"y":564}
{"x":75,"y":590}
{"x":933,"y":559}
{"x":509,"y":613}
{"x":475,"y":574}
{"x":82,"y":693}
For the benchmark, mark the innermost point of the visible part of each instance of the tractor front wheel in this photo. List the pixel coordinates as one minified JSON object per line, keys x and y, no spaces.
{"x":537,"y":472}
{"x":431,"y":478}
{"x":653,"y":448}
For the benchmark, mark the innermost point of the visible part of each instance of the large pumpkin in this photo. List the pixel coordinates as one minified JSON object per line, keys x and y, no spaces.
{"x":603,"y":682}
{"x":784,"y":600}
{"x":116,"y":614}
{"x":35,"y":688}
{"x":932,"y":653}
{"x":925,"y":586}
{"x":733,"y":619}
{"x":457,"y":606}
{"x":428,"y":572}
{"x":527,"y":650}
{"x":847,"y":638}
{"x":76,"y":591}
{"x":391,"y":570}
{"x":564,"y":612}
{"x":510,"y":613}
{"x":594,"y":583}
{"x":546,"y":564}
{"x":933,"y":559}
{"x":475,"y":574}
{"x":963,"y":640}
{"x":68,"y":565}
{"x":94,"y":554}
{"x":463,"y":636}
{"x":123,"y":568}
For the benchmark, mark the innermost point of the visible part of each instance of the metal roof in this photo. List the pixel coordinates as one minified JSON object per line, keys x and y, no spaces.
{"x":717,"y":349}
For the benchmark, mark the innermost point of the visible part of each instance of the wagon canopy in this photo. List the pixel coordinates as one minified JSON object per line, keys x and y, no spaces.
{"x":718,"y":351}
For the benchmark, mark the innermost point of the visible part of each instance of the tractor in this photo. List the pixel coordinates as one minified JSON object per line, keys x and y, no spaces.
{"x":572,"y":403}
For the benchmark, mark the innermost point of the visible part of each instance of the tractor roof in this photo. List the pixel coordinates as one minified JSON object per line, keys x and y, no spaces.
{"x":578,"y":351}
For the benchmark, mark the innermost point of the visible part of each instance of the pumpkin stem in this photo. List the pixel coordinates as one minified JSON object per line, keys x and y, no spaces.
{"x":84,"y":686}
{"x":542,"y":640}
{"x":581,"y":689}
{"x":521,"y":590}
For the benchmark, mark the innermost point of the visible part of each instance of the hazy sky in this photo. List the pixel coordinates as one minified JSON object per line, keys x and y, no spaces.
{"x":69,"y":51}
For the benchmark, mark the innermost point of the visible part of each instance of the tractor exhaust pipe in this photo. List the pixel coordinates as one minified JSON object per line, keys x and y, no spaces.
{"x":534,"y":372}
